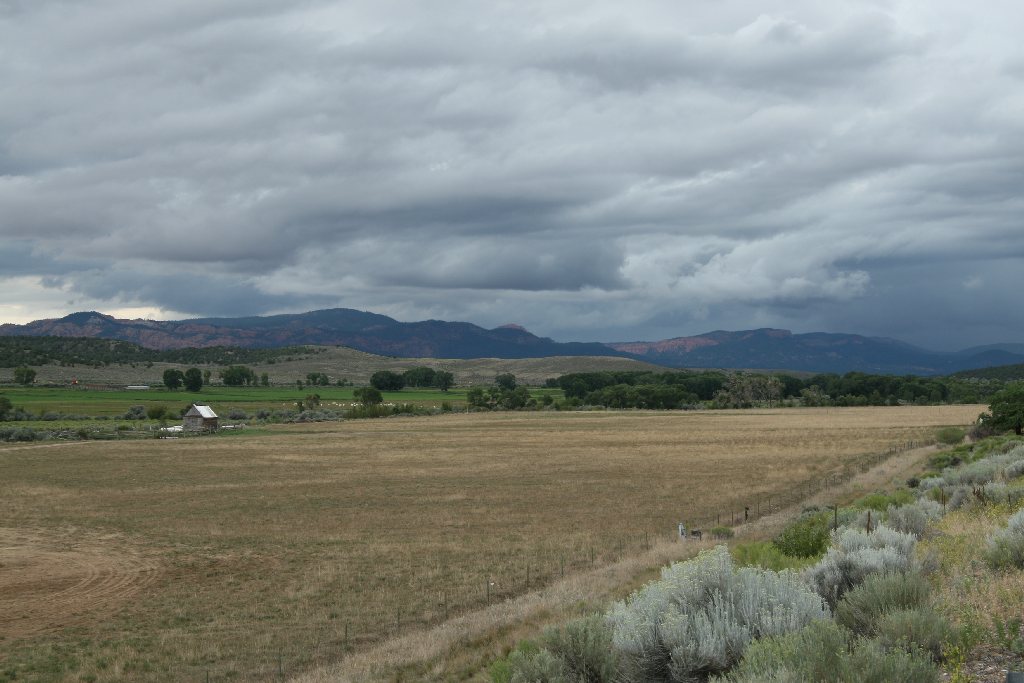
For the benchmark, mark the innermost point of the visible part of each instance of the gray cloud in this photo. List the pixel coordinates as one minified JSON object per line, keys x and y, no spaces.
{"x":584,"y":169}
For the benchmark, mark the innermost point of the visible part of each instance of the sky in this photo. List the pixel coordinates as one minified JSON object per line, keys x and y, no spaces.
{"x":594,"y":171}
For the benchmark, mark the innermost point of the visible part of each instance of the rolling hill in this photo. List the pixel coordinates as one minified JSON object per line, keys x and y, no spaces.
{"x":378,"y":334}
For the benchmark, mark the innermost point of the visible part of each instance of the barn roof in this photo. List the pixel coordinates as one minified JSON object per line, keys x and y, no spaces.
{"x":201,"y":411}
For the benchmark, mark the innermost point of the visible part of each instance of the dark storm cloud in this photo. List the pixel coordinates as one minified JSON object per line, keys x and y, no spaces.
{"x":584,"y":168}
{"x":221,"y":295}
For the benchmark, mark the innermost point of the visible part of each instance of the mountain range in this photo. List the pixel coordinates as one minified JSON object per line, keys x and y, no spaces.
{"x":379,"y":334}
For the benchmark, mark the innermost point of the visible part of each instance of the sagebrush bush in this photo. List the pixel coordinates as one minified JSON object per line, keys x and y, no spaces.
{"x":914,"y":518}
{"x":862,"y":606}
{"x":722,"y":532}
{"x":851,"y":540}
{"x":135,"y":413}
{"x":19,"y":434}
{"x":855,"y":555}
{"x":980,"y":471}
{"x":700,"y":617}
{"x":920,"y":628}
{"x":824,"y":652}
{"x":1006,"y":546}
{"x":957,"y":497}
{"x":1014,"y":470}
{"x":806,"y":537}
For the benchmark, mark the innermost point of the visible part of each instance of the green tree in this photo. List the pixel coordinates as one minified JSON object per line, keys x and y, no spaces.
{"x":477,"y":398}
{"x":368,"y":396}
{"x":5,"y":407}
{"x":173,"y":378}
{"x":193,"y":379}
{"x":206,"y":377}
{"x":1007,"y":408}
{"x":237,"y":376}
{"x":24,"y":375}
{"x":505,"y":381}
{"x":419,"y":377}
{"x":385,"y":380}
{"x":265,"y":380}
{"x":444,"y":380}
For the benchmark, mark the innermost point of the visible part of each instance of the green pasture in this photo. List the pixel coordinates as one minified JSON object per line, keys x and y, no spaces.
{"x":114,"y":403}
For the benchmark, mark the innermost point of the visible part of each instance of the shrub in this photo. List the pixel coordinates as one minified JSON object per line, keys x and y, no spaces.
{"x":855,"y":555}
{"x":950,"y":436}
{"x":881,"y":501}
{"x":877,"y":595}
{"x":19,"y":434}
{"x":584,"y":648}
{"x":722,"y":532}
{"x":157,"y":412}
{"x":1014,"y":470}
{"x":538,"y":667}
{"x":806,"y":537}
{"x":914,"y":518}
{"x":824,"y":652}
{"x":237,"y":414}
{"x":700,"y":616}
{"x":767,"y":556}
{"x":872,"y":662}
{"x":919,"y":628}
{"x":136,"y":413}
{"x":1006,"y":546}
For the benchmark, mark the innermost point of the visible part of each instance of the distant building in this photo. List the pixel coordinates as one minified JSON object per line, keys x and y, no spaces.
{"x":200,"y":418}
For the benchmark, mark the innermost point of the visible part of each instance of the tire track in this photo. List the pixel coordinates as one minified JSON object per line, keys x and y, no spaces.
{"x":50,"y":580}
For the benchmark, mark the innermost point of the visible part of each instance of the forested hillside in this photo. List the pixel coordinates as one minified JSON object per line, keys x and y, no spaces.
{"x":72,"y":351}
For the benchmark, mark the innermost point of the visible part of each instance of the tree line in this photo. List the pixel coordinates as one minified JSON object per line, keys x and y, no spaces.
{"x":420,"y":377}
{"x":668,"y":390}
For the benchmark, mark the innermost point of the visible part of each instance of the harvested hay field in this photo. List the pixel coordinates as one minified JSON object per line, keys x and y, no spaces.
{"x":249,"y":556}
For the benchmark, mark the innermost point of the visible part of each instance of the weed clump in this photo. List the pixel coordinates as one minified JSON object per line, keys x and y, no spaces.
{"x":827,"y":653}
{"x":880,"y":594}
{"x":807,"y":537}
{"x":919,"y":628}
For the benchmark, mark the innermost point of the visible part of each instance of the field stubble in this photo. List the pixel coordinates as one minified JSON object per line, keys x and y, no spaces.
{"x":275,"y":552}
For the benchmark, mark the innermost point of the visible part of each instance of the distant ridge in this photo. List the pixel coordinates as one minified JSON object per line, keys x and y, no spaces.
{"x":763,"y":349}
{"x":370,"y":332}
{"x":813,"y":352}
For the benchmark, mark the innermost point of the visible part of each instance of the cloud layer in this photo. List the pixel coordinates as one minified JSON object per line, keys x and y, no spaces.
{"x":588,"y":169}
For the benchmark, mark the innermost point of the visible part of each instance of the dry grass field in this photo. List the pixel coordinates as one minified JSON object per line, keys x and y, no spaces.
{"x":265,"y":553}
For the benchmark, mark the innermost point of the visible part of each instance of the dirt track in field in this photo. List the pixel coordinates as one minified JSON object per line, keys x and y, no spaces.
{"x":49,"y":581}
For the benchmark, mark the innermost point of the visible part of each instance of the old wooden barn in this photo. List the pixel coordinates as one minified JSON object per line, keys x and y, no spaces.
{"x":200,"y":418}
